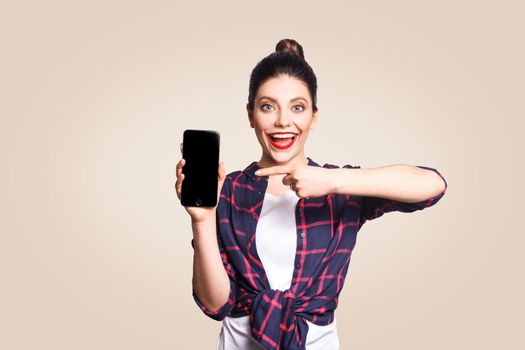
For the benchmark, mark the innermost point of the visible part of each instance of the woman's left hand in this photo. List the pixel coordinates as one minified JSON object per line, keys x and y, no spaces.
{"x":307,"y":181}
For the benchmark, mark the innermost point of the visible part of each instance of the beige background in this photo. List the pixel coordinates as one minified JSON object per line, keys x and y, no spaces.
{"x":95,"y":248}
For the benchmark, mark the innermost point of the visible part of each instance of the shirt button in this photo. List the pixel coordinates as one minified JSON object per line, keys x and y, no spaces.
{"x":302,"y":234}
{"x":300,"y":210}
{"x":298,"y":265}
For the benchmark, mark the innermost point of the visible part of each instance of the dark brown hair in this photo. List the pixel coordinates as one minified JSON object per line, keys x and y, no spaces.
{"x":288,"y":59}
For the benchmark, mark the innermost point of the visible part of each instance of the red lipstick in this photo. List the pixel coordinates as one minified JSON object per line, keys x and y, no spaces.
{"x":282,"y":143}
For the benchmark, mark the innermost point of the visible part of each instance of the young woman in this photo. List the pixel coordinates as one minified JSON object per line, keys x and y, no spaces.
{"x":271,"y":258}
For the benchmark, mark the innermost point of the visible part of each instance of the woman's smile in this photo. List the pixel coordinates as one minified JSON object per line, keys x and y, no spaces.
{"x":282,"y":140}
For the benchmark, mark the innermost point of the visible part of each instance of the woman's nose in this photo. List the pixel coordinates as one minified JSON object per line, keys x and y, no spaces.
{"x":282,"y":120}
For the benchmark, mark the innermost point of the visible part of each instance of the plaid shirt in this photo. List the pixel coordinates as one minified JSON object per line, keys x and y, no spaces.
{"x":327,"y":227}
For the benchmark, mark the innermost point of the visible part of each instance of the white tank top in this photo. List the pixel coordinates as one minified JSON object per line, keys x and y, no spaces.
{"x":276,"y":242}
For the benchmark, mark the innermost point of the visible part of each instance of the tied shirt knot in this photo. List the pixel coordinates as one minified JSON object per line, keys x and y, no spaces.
{"x":273,"y":312}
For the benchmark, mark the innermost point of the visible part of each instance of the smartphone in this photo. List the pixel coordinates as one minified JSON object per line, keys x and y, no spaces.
{"x":200,"y":149}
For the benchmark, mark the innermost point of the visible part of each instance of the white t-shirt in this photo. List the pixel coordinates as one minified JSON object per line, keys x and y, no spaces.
{"x":276,"y":244}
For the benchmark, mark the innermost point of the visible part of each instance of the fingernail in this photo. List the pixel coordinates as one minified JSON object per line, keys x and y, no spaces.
{"x":258,"y":172}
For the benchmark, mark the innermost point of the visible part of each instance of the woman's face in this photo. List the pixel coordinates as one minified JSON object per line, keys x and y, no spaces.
{"x":282,"y":118}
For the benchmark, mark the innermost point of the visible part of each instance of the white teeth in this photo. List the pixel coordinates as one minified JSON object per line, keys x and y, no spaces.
{"x":282,"y":136}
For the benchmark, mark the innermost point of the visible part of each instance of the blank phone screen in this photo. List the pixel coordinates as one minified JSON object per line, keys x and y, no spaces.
{"x":201,"y":152}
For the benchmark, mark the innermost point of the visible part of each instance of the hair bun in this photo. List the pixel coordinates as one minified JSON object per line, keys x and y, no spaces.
{"x":290,"y":46}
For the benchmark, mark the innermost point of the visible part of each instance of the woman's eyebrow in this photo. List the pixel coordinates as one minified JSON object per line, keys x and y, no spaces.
{"x":274,"y":100}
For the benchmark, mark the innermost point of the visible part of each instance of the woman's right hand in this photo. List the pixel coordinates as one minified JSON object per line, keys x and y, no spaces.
{"x":199,"y":214}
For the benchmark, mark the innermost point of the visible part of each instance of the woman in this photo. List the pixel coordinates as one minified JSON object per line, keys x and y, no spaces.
{"x":271,"y":258}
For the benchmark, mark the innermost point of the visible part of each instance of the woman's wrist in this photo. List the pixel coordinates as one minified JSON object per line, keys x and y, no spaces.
{"x":203,"y":215}
{"x":336,"y":180}
{"x":202,"y":220}
{"x":343,"y":180}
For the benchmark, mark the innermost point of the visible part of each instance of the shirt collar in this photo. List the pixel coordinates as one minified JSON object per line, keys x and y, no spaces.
{"x":253,"y":167}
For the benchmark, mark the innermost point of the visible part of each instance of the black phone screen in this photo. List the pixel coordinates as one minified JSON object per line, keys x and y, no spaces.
{"x":201,"y":151}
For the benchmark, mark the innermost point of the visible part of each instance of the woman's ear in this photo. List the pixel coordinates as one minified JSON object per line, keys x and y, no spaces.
{"x":250,"y":115}
{"x":314,"y":121}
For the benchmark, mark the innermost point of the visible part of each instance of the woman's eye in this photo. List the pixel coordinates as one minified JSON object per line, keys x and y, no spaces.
{"x":264,"y":109}
{"x":302,"y":108}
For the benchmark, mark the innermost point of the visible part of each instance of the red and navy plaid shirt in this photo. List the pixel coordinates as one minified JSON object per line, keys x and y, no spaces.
{"x":327,"y":227}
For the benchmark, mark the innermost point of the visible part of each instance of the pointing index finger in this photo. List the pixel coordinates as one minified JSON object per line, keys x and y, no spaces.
{"x":274,"y":170}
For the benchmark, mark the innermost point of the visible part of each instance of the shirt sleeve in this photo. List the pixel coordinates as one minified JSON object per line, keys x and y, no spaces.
{"x":374,"y":207}
{"x":223,"y":214}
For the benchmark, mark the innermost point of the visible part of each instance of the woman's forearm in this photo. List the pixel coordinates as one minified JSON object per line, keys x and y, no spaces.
{"x":401,"y":182}
{"x":210,"y":281}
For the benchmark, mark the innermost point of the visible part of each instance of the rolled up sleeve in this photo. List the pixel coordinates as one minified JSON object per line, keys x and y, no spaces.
{"x":374,"y":207}
{"x":224,"y":310}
